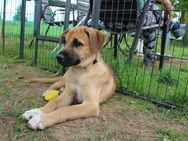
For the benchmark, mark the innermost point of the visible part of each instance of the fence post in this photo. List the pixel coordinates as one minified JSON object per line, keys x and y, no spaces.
{"x":22,"y":32}
{"x":163,"y":42}
{"x":96,"y":13}
{"x":35,"y":15}
{"x":38,"y":19}
{"x":138,"y":30}
{"x":67,"y":14}
{"x":3,"y":26}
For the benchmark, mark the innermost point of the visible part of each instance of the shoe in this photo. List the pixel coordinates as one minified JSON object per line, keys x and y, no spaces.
{"x":181,"y":31}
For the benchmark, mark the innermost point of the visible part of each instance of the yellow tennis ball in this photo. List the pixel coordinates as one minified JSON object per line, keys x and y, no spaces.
{"x":51,"y":94}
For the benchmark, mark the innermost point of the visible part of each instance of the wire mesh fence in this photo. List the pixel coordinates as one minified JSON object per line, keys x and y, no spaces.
{"x":9,"y":39}
{"x":165,"y":78}
{"x":165,"y":81}
{"x":44,"y":56}
{"x":12,"y":33}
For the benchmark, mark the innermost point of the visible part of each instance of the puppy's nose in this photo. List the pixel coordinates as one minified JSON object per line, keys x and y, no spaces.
{"x":59,"y":58}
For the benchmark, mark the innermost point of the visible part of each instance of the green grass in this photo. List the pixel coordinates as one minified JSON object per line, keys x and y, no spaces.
{"x":102,"y":136}
{"x":13,"y":28}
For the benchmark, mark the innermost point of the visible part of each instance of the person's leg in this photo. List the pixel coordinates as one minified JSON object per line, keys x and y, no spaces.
{"x":149,"y":46}
{"x":149,"y":37}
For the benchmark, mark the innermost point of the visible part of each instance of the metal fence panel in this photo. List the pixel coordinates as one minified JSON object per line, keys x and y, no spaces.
{"x":165,"y":82}
{"x":11,"y":27}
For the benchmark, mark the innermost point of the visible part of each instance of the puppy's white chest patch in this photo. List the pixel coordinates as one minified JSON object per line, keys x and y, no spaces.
{"x":79,"y":97}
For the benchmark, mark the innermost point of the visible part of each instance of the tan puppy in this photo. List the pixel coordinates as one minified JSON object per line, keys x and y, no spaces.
{"x":88,"y":80}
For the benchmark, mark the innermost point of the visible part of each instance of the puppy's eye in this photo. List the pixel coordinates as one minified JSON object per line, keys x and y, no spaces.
{"x":76,"y":43}
{"x":63,"y":42}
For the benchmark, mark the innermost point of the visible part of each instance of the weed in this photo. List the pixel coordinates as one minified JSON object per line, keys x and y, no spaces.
{"x":167,"y":134}
{"x":168,"y":78}
{"x":5,"y":91}
{"x":102,"y":136}
{"x":174,"y":115}
{"x":2,"y":113}
{"x":16,"y":111}
{"x":184,"y":69}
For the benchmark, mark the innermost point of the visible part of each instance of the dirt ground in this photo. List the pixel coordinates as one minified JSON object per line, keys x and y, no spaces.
{"x":122,"y":118}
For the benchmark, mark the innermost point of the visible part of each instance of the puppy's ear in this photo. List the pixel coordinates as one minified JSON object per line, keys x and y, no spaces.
{"x":96,"y":39}
{"x":63,"y":38}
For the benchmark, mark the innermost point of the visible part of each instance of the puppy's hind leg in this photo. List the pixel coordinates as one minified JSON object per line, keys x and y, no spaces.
{"x":108,"y":90}
{"x":43,"y":80}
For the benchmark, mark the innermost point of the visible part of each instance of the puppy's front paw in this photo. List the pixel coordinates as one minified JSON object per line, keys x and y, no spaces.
{"x":31,"y":113}
{"x":43,"y":94}
{"x":36,"y":122}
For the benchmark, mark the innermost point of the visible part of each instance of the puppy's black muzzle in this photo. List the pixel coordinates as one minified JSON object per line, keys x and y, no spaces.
{"x":67,"y":58}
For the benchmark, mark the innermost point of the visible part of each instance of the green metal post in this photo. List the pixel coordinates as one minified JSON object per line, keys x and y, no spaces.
{"x":22,"y":32}
{"x":3,"y":26}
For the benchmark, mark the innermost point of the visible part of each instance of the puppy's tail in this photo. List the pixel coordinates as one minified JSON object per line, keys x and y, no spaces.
{"x":43,"y":80}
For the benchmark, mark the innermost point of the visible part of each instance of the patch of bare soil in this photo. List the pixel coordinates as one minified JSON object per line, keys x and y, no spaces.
{"x":121,"y":118}
{"x":116,"y":122}
{"x":173,"y":60}
{"x":178,"y":61}
{"x":4,"y":125}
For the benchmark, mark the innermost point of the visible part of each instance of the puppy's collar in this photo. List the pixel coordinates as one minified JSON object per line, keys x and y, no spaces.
{"x":95,"y":61}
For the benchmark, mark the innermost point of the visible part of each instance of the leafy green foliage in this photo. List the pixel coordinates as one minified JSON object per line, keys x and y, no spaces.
{"x":168,"y":78}
{"x":181,"y":5}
